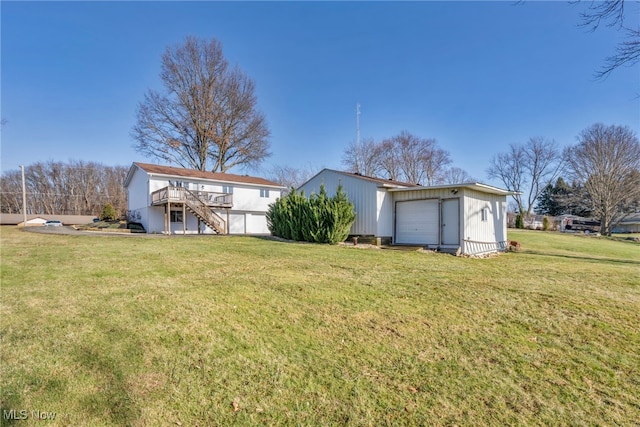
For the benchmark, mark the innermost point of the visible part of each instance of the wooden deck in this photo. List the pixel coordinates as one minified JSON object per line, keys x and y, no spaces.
{"x":182,"y":195}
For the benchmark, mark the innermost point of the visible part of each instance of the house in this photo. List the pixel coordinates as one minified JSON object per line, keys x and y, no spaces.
{"x":467,"y":218}
{"x":39,"y":220}
{"x":174,"y":200}
{"x":629,"y":224}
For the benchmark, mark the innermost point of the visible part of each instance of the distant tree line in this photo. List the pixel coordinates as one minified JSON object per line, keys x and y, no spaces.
{"x":57,"y":188}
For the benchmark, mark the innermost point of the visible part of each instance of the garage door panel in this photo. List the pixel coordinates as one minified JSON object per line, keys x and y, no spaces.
{"x":417,"y":222}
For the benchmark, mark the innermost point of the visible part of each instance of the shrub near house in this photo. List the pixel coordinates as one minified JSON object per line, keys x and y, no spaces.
{"x":319,"y":219}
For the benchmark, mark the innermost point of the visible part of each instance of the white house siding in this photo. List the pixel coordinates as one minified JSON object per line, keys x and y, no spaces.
{"x":139,"y":198}
{"x":362,"y":193}
{"x":385,"y":213}
{"x":483,"y":235}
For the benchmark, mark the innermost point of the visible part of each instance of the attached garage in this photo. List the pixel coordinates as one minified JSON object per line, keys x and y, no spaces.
{"x":417,"y":222}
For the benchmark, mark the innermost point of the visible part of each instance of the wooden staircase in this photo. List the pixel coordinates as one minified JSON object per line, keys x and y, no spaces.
{"x":203,"y":212}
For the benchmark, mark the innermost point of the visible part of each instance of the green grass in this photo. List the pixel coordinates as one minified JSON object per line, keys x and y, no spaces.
{"x":243,"y":331}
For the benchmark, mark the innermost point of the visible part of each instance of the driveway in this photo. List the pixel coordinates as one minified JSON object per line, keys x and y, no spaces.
{"x":70,"y":231}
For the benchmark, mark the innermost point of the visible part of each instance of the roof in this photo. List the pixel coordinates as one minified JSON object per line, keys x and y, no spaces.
{"x":193,"y":173}
{"x":396,"y":186}
{"x":633,"y":218}
{"x":484,"y":188}
{"x":380,"y":181}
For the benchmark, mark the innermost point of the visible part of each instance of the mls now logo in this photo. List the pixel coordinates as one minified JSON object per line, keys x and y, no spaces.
{"x":14,"y":414}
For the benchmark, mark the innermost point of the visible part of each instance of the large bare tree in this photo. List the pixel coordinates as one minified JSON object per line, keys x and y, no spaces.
{"x":207,"y":112}
{"x":607,"y":160}
{"x":527,"y":169}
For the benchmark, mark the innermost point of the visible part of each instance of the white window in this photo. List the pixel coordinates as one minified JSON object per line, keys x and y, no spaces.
{"x":264,"y":192}
{"x":484,"y":214}
{"x":227,"y":189}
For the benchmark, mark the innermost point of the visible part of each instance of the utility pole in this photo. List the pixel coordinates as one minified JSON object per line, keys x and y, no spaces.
{"x":24,"y":197}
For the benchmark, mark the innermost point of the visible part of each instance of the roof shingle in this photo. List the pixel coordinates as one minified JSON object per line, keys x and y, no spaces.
{"x":215,"y":176}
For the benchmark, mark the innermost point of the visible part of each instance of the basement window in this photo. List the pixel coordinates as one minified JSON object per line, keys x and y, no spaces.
{"x":176,"y":216}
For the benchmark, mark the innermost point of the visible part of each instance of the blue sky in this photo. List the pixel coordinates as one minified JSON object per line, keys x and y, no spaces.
{"x":476,"y":76}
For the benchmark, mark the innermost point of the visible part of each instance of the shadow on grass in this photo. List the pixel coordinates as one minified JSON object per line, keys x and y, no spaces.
{"x":10,"y":406}
{"x":107,"y":363}
{"x":582,"y":257}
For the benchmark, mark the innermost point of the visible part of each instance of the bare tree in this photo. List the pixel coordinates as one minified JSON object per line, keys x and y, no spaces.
{"x":455,"y":175}
{"x":404,"y":157}
{"x":527,"y":169}
{"x":612,"y":14}
{"x":390,"y":163}
{"x":418,"y":160}
{"x":607,"y":160}
{"x":290,"y":177}
{"x":435,"y":163}
{"x":363,"y":158}
{"x":207,"y":112}
{"x":507,"y":167}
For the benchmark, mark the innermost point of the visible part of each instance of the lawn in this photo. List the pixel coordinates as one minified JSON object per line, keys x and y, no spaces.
{"x":203,"y":330}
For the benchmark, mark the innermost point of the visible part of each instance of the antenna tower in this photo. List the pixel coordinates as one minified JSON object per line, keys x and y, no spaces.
{"x":358,"y":125}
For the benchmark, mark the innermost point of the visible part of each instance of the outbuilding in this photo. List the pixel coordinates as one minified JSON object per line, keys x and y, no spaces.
{"x":466,"y":218}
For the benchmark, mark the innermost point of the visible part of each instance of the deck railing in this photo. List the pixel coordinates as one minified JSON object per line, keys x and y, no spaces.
{"x":182,"y":195}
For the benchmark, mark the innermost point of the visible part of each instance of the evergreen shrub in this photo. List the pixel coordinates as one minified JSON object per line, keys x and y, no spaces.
{"x":318,"y":219}
{"x":108,"y":213}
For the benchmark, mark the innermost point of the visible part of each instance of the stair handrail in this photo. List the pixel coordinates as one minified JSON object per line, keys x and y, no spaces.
{"x":200,"y":207}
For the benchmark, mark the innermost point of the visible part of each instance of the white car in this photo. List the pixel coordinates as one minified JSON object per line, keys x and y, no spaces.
{"x":53,"y":223}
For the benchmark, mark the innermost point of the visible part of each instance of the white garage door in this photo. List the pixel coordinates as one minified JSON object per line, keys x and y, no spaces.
{"x":236,"y":223}
{"x":257,"y":224}
{"x":417,"y":222}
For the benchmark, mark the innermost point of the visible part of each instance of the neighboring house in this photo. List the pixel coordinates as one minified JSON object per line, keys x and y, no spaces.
{"x":630,"y":224}
{"x":467,"y":218}
{"x":39,"y":220}
{"x":173,"y":200}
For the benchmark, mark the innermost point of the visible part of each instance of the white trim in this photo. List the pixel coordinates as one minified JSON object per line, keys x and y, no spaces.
{"x":484,"y":188}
